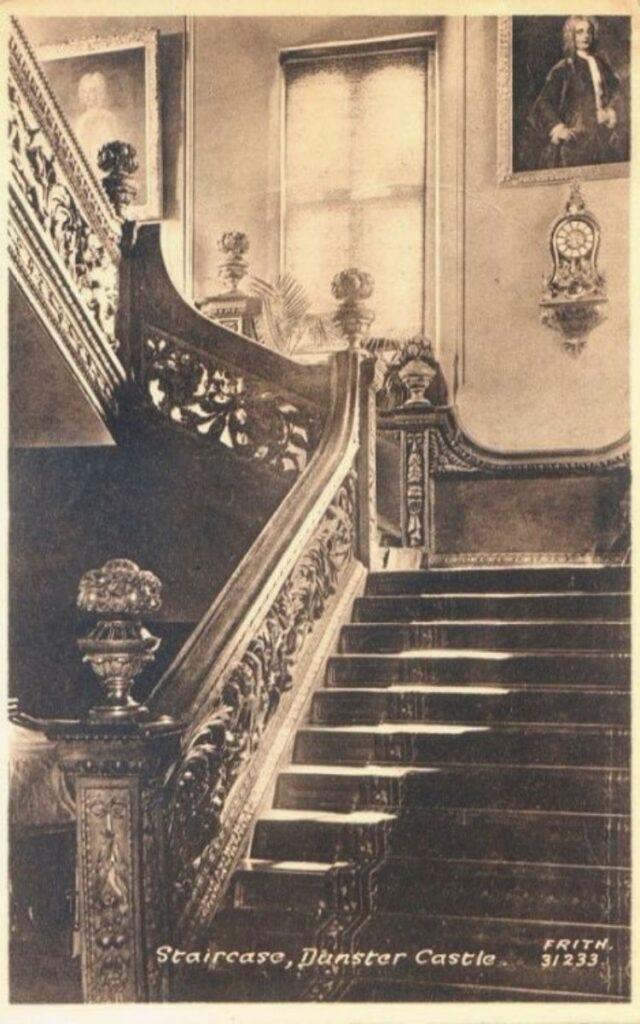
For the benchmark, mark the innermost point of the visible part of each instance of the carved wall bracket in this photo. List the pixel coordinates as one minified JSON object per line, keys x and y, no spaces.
{"x":574,"y":300}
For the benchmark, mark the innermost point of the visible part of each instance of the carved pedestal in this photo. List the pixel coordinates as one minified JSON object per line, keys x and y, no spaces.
{"x":118,"y":772}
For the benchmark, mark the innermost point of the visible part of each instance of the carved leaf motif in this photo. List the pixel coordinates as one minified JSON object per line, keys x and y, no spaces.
{"x":251,"y":691}
{"x":242,"y":413}
{"x":37,"y":177}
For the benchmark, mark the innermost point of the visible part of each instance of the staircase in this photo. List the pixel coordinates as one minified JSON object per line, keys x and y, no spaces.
{"x":460,"y":786}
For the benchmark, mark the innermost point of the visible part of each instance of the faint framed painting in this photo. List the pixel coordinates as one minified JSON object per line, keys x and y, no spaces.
{"x":108,"y":90}
{"x":564,"y":98}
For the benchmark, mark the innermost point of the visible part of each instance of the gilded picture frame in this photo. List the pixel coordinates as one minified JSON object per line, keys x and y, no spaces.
{"x":108,"y":88}
{"x":529,"y":52}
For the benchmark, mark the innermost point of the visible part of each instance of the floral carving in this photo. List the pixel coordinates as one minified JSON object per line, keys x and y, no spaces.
{"x":118,"y":647}
{"x":352,"y":317}
{"x":415,"y":489}
{"x":250,"y":693}
{"x":37,"y":176}
{"x":119,"y":161}
{"x":233,"y":245}
{"x":105,"y":816}
{"x":241,"y":412}
{"x":413,"y":377}
{"x":119,"y":587}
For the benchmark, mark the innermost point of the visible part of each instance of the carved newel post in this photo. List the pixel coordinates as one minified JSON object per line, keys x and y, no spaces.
{"x":352,"y":318}
{"x":118,"y":758}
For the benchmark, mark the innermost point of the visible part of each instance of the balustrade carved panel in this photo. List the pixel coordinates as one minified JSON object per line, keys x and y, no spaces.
{"x":242,"y":412}
{"x":203,"y":837}
{"x":64,"y":239}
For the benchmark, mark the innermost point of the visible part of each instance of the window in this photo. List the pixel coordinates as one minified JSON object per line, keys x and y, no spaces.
{"x":355,"y":174}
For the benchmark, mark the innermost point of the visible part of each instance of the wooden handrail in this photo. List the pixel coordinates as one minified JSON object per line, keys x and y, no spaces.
{"x":180,"y":692}
{"x":64,"y":239}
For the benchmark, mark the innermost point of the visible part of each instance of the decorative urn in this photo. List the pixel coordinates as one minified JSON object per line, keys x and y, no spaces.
{"x":353,"y":319}
{"x":119,"y":162}
{"x":232,"y":268}
{"x":119,"y":646}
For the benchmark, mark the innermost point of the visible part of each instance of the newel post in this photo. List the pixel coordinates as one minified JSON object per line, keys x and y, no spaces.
{"x":117,"y":759}
{"x":353,"y":319}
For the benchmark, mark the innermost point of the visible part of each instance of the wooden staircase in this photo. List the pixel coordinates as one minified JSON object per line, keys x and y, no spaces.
{"x":461,"y":785}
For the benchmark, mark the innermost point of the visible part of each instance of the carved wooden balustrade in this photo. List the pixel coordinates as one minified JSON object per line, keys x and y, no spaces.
{"x":165,"y":794}
{"x":185,"y":778}
{"x":63,"y":237}
{"x":444,"y":477}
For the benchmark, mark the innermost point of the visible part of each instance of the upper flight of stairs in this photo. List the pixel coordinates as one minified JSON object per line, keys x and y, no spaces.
{"x":461,"y":784}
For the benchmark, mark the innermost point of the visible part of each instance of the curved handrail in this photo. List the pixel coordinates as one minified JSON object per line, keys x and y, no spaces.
{"x":234,"y":612}
{"x":454,"y":451}
{"x":149,"y":300}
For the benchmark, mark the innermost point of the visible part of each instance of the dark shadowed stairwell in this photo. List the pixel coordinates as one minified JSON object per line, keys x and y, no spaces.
{"x":461,"y":785}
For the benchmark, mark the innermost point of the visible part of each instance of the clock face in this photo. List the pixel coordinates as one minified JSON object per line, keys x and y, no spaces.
{"x":575,"y":238}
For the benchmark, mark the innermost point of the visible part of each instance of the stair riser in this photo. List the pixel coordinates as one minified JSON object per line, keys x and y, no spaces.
{"x":543,"y":893}
{"x":485,"y":581}
{"x":605,"y":749}
{"x":588,"y":896}
{"x":565,"y":789}
{"x":353,"y":707}
{"x":560,"y":839}
{"x":309,"y":840}
{"x":600,"y":841}
{"x":596,"y":607}
{"x":289,"y":891}
{"x":396,"y":638}
{"x":606,"y":670}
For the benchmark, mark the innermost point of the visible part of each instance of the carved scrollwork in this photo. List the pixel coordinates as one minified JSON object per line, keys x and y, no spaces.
{"x":241,"y":412}
{"x":250,"y":693}
{"x":452,"y":453}
{"x":63,"y":238}
{"x":37,"y":177}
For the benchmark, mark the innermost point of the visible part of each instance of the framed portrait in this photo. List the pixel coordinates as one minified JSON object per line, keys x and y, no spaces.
{"x":108,"y":90}
{"x":563,"y":98}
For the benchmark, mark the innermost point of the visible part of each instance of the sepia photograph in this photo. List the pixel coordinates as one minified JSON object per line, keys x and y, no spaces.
{"x":319,"y":513}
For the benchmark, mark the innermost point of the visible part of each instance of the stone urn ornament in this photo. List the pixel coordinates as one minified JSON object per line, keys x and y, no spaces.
{"x":119,"y":647}
{"x":352,"y":318}
{"x":233,"y":267}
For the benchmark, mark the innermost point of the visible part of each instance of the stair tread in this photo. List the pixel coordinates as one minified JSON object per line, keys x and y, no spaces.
{"x":391,"y":771}
{"x":395,"y":727}
{"x":456,"y":728}
{"x":484,"y":653}
{"x":327,"y":817}
{"x":402,"y":623}
{"x":490,"y":594}
{"x":306,"y":867}
{"x":489,"y":690}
